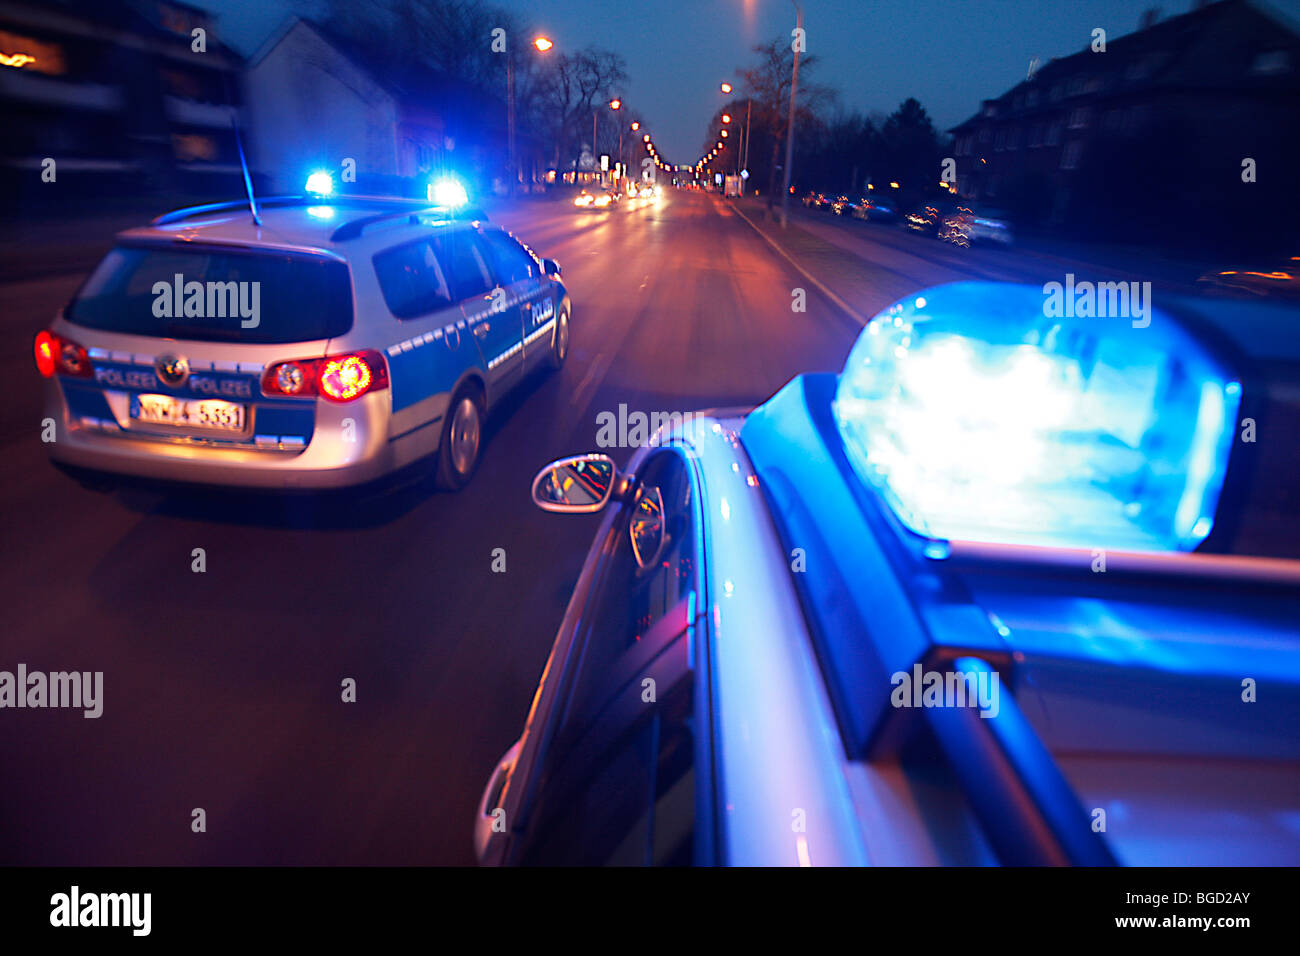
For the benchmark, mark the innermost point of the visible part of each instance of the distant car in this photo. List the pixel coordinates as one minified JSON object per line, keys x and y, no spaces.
{"x":332,"y":344}
{"x":927,"y":217}
{"x":984,"y":225}
{"x":843,"y":206}
{"x":867,"y":622}
{"x":816,"y":201}
{"x":955,"y":226}
{"x":1279,"y":279}
{"x":876,"y":209}
{"x":597,"y":198}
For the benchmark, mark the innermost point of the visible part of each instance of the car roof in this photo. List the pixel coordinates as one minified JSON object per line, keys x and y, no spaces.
{"x":338,"y":227}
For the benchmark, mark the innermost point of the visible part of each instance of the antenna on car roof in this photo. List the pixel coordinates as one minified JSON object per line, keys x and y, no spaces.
{"x":239,"y":144}
{"x":243,"y":164}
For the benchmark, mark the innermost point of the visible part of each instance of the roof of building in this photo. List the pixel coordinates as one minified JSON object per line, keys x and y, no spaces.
{"x":1207,"y":48}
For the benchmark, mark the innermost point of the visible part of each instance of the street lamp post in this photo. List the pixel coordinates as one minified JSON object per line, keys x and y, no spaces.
{"x":789,"y":130}
{"x":542,"y":44}
{"x":749,"y":109}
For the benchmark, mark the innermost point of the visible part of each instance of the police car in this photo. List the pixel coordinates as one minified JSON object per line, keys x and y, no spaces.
{"x":1009,"y":589}
{"x":324,"y":343}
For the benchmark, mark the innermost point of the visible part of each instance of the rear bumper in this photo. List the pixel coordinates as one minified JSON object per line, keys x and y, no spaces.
{"x":349,"y":446}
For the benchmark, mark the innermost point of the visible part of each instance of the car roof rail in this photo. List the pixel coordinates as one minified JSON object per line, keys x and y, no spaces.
{"x":354,"y":228}
{"x":401,"y":206}
{"x":189,"y":212}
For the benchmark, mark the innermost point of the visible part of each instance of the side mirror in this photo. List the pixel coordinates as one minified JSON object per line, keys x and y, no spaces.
{"x":580,"y":484}
{"x":489,"y":821}
{"x":551,"y":267}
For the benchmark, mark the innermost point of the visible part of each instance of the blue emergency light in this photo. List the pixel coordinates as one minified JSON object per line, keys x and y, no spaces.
{"x":980,"y":414}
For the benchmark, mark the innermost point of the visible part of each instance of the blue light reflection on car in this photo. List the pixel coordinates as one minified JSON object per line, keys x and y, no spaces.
{"x":980,"y":418}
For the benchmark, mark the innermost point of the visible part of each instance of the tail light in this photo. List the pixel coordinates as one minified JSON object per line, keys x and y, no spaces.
{"x":338,"y":378}
{"x":56,"y":355}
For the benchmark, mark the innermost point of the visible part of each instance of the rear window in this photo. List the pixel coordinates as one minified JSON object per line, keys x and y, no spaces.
{"x":216,"y":296}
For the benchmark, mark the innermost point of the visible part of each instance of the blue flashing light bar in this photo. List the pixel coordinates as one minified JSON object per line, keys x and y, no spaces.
{"x":980,"y":417}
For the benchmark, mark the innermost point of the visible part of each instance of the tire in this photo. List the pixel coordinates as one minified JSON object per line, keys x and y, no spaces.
{"x":462,"y":439}
{"x":560,"y":340}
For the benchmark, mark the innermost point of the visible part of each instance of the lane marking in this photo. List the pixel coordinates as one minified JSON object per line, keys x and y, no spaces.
{"x":821,"y":287}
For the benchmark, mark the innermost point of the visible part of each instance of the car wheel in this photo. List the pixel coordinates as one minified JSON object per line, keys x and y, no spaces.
{"x":560,"y":340}
{"x":462,"y":439}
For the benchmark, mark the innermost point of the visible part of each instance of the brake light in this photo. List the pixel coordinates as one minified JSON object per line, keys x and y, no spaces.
{"x":56,"y":355}
{"x":338,"y":378}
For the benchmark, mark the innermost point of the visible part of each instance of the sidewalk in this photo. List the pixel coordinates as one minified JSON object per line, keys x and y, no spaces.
{"x":864,"y":268}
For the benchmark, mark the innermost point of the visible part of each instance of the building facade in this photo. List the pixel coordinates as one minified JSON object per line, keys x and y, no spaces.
{"x":1149,"y":134}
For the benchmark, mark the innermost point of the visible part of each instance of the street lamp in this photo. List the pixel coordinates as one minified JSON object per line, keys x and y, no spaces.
{"x":542,"y":45}
{"x":726,"y":87}
{"x":614,"y":104}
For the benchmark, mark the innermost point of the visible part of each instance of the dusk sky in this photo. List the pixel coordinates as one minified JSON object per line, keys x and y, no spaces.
{"x":949,"y":54}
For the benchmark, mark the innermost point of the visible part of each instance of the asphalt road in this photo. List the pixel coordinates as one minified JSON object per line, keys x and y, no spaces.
{"x":222,"y":689}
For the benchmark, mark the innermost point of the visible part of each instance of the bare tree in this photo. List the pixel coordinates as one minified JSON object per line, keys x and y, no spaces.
{"x":570,"y":89}
{"x":768,"y":85}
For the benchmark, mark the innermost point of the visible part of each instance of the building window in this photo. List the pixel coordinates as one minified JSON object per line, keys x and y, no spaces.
{"x":1057,"y":92}
{"x":984,"y":135}
{"x":1076,"y":85}
{"x":1013,"y":138}
{"x":1070,"y":155}
{"x":1036,"y":136}
{"x":1031,"y":99}
{"x":1054,"y":132}
{"x":1112,"y":121}
{"x":1000,"y":142}
{"x":1080,"y":117}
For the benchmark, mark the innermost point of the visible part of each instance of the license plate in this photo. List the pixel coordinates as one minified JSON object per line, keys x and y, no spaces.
{"x":185,"y":413}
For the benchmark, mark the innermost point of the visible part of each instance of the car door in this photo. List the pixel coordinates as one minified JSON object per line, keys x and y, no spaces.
{"x":614,"y":782}
{"x":494,"y":325}
{"x":425,"y":349}
{"x":527,"y":290}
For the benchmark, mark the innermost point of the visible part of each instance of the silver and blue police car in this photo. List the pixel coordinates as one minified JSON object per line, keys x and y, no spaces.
{"x":1011,"y":588}
{"x":315,"y":343}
